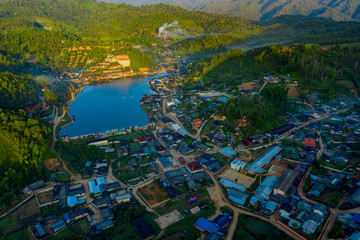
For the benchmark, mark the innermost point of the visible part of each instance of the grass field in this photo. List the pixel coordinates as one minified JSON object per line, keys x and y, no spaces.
{"x":6,"y":225}
{"x":251,"y":228}
{"x":179,"y":203}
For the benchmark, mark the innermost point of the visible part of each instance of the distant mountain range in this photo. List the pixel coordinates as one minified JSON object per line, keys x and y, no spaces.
{"x":267,"y":9}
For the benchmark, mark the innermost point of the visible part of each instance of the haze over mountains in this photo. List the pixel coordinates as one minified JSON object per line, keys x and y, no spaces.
{"x":267,"y":9}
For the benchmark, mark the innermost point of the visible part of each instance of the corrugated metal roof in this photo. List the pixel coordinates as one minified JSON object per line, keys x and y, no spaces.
{"x":264,"y":159}
{"x":228,"y":152}
{"x":230,"y":184}
{"x":266,"y":187}
{"x":100,"y":180}
{"x":206,"y":225}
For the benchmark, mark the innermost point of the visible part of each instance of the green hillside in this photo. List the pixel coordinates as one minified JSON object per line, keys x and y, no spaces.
{"x":267,"y":9}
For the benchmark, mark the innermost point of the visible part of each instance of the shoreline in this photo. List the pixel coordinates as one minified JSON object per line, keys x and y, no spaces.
{"x":115,"y":131}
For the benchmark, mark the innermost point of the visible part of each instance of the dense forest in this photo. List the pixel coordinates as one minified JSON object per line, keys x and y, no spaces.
{"x":22,"y":145}
{"x":22,"y":139}
{"x":261,"y":115}
{"x":324,"y":70}
{"x":260,"y":9}
{"x":17,"y":91}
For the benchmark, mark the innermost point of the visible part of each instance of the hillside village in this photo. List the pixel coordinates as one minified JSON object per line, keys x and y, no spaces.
{"x":183,"y":167}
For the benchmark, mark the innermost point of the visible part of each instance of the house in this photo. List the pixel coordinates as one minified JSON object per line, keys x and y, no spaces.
{"x":102,"y":226}
{"x":317,"y":188}
{"x":221,"y":220}
{"x":73,"y":201}
{"x":256,"y":166}
{"x":165,"y":162}
{"x":237,"y":165}
{"x":194,"y":167}
{"x":354,"y":236}
{"x":266,"y":187}
{"x":305,"y":206}
{"x":143,"y":228}
{"x":230,"y":184}
{"x":38,"y":230}
{"x":309,"y":227}
{"x":309,"y":142}
{"x":196,"y":122}
{"x":354,"y":199}
{"x":58,"y":225}
{"x":286,"y":180}
{"x":102,"y":202}
{"x":206,"y":226}
{"x":227,"y":152}
{"x":107,"y":214}
{"x":195,"y":210}
{"x":237,"y":196}
{"x":285,"y":211}
{"x":126,"y":197}
{"x":76,"y":215}
{"x":113,"y":186}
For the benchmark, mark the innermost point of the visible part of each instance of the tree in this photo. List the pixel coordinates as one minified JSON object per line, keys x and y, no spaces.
{"x":50,"y":97}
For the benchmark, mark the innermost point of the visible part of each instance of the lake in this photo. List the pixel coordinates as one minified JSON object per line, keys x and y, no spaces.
{"x":108,"y":106}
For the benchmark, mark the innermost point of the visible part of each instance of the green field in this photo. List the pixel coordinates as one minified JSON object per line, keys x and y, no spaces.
{"x":251,"y":228}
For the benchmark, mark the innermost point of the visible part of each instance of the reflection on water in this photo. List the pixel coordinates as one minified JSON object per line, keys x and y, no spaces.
{"x":108,"y":106}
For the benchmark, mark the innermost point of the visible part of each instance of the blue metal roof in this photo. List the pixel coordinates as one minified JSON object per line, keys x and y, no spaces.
{"x":93,"y":187}
{"x":266,"y":187}
{"x":72,"y":201}
{"x":356,"y":217}
{"x":231,"y":184}
{"x":271,"y":206}
{"x":165,"y":162}
{"x":87,"y":164}
{"x":223,"y":99}
{"x":237,"y":194}
{"x":228,"y":152}
{"x":58,"y":225}
{"x":182,"y":132}
{"x":206,"y":225}
{"x":100,"y":180}
{"x":221,"y":220}
{"x":264,"y":159}
{"x":67,"y":217}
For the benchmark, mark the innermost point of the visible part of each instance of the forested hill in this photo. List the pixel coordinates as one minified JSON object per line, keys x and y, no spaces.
{"x":266,"y":9}
{"x":93,"y":20}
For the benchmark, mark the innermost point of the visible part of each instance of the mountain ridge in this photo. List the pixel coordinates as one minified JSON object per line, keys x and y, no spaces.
{"x":266,"y":9}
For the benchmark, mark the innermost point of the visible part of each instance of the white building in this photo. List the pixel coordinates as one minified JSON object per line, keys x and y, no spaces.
{"x":237,"y":165}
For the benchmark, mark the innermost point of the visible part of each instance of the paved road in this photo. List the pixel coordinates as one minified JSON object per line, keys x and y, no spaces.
{"x":219,"y":194}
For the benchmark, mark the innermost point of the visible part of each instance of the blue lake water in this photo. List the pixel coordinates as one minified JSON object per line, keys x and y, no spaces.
{"x":108,"y":106}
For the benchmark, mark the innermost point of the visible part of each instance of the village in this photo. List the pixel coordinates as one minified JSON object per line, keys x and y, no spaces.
{"x":193,"y":175}
{"x":185,"y":170}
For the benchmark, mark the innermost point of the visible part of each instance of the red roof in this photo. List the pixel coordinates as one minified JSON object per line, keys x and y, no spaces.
{"x":309,"y":142}
{"x":194,"y":166}
{"x":196,"y":122}
{"x":141,"y":139}
{"x":181,"y":160}
{"x":247,"y":142}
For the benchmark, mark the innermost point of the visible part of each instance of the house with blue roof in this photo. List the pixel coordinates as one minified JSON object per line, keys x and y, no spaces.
{"x":58,"y":225}
{"x":73,"y":201}
{"x":223,"y":99}
{"x":266,"y":187}
{"x":206,"y":226}
{"x":256,"y":166}
{"x":221,"y":220}
{"x":237,"y":196}
{"x":165,"y":162}
{"x":227,"y":152}
{"x":38,"y":230}
{"x":230,"y":184}
{"x":93,"y":187}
